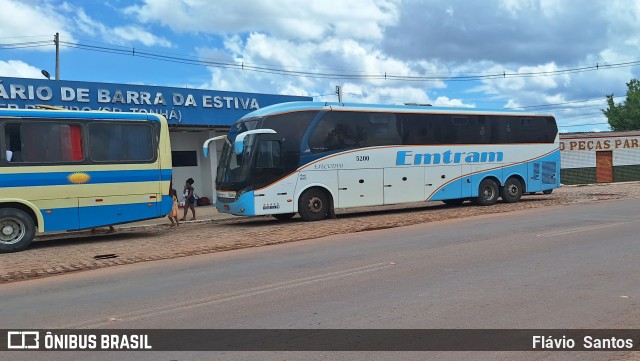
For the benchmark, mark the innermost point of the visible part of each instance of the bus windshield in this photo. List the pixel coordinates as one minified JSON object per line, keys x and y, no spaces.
{"x":233,"y":169}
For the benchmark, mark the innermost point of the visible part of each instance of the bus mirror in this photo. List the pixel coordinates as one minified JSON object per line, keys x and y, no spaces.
{"x":205,"y":146}
{"x":238,"y":146}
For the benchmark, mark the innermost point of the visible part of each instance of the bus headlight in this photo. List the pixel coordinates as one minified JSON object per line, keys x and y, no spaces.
{"x":226,"y":194}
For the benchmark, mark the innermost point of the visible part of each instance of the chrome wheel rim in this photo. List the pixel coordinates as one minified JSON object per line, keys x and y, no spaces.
{"x":12,"y":230}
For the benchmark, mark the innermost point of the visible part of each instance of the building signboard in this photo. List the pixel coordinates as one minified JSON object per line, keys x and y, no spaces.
{"x":181,"y":106}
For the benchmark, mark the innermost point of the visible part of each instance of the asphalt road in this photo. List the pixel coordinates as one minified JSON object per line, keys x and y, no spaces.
{"x":562,"y":267}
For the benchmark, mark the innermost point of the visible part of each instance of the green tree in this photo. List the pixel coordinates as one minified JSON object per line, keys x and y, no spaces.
{"x":625,"y":115}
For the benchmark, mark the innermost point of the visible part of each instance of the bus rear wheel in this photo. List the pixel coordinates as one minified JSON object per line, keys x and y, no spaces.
{"x":548,"y":191}
{"x":487,"y":193}
{"x":314,"y":205}
{"x":283,"y":216}
{"x":17,"y":230}
{"x":512,"y":190}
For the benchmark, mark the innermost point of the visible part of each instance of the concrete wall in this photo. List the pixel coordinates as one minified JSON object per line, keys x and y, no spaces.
{"x":204,"y":173}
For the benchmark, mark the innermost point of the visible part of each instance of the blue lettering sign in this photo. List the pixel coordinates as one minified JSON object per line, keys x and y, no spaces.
{"x":407,"y":157}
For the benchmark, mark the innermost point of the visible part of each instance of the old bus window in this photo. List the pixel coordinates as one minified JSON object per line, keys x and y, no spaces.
{"x":380,"y":129}
{"x":339,"y":131}
{"x":417,"y":129}
{"x":43,"y":142}
{"x":471,"y":129}
{"x":459,"y":121}
{"x":116,"y":142}
{"x":515,"y":129}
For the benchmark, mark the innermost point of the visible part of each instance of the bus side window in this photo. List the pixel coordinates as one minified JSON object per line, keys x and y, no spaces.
{"x":382,"y":129}
{"x":13,"y":145}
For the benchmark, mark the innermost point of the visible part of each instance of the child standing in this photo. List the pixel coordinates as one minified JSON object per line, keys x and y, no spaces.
{"x":173,"y":215}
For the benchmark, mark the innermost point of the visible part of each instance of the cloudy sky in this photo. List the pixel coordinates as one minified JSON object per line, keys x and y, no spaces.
{"x":557,"y":56}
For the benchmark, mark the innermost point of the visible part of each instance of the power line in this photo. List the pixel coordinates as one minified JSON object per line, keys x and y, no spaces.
{"x":337,"y":75}
{"x":29,"y":44}
{"x":580,"y":125}
{"x":563,"y":103}
{"x":26,"y":36}
{"x":330,"y":74}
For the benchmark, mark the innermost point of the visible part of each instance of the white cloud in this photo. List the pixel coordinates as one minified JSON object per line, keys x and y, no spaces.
{"x":359,"y":19}
{"x":446,"y":102}
{"x":17,"y":20}
{"x":337,"y":56}
{"x":136,"y":34}
{"x":120,"y":35}
{"x":18,"y":69}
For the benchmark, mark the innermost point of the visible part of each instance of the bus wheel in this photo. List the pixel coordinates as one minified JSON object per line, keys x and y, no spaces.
{"x":17,"y":230}
{"x":314,"y":205}
{"x":548,"y":191}
{"x":283,"y":216}
{"x":453,"y":202}
{"x":487,"y":192}
{"x":512,"y":190}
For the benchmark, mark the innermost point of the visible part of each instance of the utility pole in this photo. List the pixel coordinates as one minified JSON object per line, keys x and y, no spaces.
{"x":339,"y":92}
{"x":56,"y":40}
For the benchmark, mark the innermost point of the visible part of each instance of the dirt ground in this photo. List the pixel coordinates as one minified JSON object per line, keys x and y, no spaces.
{"x":78,"y":251}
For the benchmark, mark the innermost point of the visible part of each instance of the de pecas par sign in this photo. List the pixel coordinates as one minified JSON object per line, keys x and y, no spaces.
{"x":183,"y":106}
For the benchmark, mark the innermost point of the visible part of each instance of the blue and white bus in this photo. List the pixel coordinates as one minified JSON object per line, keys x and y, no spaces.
{"x":312,"y":158}
{"x":67,"y":170}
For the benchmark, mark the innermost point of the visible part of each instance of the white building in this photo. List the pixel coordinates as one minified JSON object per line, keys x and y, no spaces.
{"x":599,"y":157}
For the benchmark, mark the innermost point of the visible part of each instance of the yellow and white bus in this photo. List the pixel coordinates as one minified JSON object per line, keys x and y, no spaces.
{"x":68,"y":170}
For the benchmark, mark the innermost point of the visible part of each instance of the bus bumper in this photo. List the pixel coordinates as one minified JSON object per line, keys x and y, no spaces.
{"x":242,"y":206}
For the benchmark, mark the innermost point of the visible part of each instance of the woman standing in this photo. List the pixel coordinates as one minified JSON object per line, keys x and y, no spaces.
{"x":190,"y":200}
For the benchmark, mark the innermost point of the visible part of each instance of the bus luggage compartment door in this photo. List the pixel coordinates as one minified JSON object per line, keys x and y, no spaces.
{"x":360,"y":187}
{"x":100,"y":211}
{"x":403,"y":185}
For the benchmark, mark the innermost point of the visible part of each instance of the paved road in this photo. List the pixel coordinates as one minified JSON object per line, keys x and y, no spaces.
{"x":563,"y":267}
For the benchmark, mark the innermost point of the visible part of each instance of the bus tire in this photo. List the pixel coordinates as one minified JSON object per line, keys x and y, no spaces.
{"x":283,"y":216}
{"x":17,"y":230}
{"x":453,"y":202}
{"x":487,"y":192}
{"x":512,"y":190}
{"x":548,"y":191}
{"x":313,"y":205}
